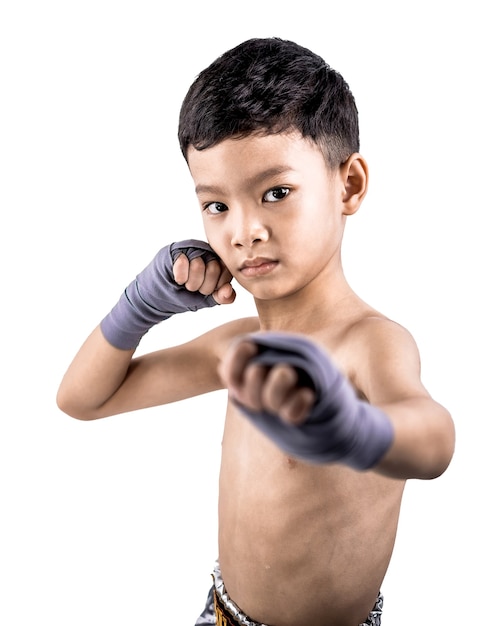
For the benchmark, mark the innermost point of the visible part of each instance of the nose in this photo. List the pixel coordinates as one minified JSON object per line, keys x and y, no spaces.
{"x":248,"y":228}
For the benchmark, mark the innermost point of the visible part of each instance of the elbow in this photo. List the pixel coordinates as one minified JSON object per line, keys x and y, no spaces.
{"x":423,"y":458}
{"x":445,"y":453}
{"x":423,"y":447}
{"x":67,"y":405}
{"x":440,"y":455}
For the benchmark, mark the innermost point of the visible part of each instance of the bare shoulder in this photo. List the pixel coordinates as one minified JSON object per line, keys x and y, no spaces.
{"x":377,"y":332}
{"x":382,"y":358}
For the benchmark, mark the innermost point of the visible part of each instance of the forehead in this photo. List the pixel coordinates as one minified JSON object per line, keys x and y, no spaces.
{"x":251,"y":156}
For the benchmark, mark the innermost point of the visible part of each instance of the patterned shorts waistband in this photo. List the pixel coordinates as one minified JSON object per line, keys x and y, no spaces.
{"x":223,"y":617}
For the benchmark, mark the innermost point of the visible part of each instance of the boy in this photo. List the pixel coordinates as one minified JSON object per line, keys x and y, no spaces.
{"x":327,"y":416}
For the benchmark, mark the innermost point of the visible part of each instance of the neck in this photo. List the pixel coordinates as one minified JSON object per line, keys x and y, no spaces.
{"x":315,"y":306}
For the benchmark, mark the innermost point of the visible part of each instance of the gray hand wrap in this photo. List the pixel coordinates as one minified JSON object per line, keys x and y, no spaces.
{"x":154,"y":296}
{"x":340,"y":427}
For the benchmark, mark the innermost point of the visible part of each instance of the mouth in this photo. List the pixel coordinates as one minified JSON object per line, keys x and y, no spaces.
{"x":260,"y":266}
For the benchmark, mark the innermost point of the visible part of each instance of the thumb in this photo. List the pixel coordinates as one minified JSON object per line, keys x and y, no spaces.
{"x":225,"y":294}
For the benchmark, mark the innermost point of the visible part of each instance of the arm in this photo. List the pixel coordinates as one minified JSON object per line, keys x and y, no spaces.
{"x":104,"y":379}
{"x":288,"y":386}
{"x":390,"y":378}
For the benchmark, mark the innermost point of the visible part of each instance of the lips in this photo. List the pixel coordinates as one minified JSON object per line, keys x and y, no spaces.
{"x":259,"y":266}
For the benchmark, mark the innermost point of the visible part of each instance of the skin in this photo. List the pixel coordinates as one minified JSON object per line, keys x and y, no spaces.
{"x":299,"y":544}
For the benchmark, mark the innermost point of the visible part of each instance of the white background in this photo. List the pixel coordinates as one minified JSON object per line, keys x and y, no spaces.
{"x":114,"y":522}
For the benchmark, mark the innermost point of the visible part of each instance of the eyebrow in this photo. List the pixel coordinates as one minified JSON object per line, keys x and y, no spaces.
{"x":258,"y":178}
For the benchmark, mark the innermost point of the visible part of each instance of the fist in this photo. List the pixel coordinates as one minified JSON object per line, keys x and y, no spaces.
{"x":276,"y":389}
{"x":209,"y":278}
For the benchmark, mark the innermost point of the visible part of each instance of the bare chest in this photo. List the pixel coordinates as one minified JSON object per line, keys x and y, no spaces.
{"x":288,"y":529}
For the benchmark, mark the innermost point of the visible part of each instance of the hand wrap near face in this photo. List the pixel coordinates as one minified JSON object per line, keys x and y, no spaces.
{"x":154,"y":296}
{"x":340,"y":427}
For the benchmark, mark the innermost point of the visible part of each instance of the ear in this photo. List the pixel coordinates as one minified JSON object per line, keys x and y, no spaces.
{"x":354,"y":176}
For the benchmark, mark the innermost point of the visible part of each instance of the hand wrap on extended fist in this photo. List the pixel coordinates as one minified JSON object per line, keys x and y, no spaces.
{"x":340,"y":427}
{"x":154,"y":296}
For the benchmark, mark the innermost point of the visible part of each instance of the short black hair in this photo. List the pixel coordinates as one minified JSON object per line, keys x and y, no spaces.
{"x":270,"y":85}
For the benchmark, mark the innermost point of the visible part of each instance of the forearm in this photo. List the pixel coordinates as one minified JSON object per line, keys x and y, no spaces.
{"x":103,"y":379}
{"x":410,"y":437}
{"x":95,"y":374}
{"x":424,"y":439}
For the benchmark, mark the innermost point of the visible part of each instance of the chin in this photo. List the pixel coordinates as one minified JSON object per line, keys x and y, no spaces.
{"x":270,"y":294}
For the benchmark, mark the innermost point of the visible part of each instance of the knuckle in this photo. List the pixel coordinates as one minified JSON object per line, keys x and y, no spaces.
{"x":196,"y":265}
{"x":181,"y":269}
{"x":213,"y":267}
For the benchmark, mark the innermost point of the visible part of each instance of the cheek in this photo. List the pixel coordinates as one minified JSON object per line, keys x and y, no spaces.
{"x":208,"y":231}
{"x":215,"y":237}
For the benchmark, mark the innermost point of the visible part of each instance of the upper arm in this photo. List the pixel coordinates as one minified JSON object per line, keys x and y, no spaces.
{"x":388,"y":375}
{"x":174,"y":373}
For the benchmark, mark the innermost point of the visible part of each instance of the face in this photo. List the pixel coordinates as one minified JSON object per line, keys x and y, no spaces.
{"x":272,"y":211}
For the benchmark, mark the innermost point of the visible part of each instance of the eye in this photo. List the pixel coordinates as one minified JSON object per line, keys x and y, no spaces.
{"x":214,"y":208}
{"x":275,"y":194}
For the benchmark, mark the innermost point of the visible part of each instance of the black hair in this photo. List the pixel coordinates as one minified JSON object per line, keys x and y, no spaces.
{"x":269,"y":86}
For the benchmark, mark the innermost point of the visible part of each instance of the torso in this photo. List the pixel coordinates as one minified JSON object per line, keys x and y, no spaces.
{"x":299,"y":544}
{"x":302,"y":544}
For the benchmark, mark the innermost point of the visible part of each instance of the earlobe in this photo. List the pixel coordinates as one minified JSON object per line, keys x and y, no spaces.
{"x":354,"y":174}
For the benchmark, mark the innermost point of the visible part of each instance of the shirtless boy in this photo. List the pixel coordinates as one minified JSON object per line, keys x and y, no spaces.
{"x":327,"y":416}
